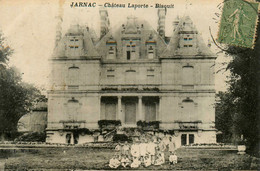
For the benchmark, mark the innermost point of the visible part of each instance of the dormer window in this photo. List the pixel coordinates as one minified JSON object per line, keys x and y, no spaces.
{"x":111,"y":48}
{"x":75,"y":45}
{"x":131,"y":48}
{"x":150,"y":48}
{"x":187,"y":39}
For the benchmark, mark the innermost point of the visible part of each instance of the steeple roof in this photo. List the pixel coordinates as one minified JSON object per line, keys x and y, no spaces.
{"x":180,"y":47}
{"x":87,"y":37}
{"x":134,"y":28}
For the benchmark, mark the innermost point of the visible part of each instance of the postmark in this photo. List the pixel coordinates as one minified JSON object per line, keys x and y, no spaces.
{"x":238,"y":23}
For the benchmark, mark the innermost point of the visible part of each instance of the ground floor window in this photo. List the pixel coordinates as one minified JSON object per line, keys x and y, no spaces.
{"x":187,"y":139}
{"x":184,"y":139}
{"x":191,"y":138}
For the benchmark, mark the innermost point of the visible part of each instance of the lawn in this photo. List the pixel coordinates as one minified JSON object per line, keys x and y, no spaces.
{"x":97,"y":158}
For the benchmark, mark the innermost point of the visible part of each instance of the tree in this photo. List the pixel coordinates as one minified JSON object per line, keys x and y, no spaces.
{"x":238,"y":106}
{"x":224,"y":117}
{"x":16,"y":97}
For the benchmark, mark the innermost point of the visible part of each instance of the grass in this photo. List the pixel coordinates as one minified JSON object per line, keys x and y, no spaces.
{"x":97,"y":158}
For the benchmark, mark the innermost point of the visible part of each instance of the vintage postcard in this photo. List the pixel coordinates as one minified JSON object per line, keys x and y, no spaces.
{"x":128,"y":84}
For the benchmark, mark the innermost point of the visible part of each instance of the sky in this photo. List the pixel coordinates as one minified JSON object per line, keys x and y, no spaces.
{"x":30,"y":28}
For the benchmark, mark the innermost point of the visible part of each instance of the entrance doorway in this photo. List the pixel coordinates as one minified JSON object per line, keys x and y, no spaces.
{"x":130,"y":113}
{"x":150,"y":111}
{"x":110,"y":111}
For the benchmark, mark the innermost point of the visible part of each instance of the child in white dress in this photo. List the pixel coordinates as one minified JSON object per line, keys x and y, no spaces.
{"x":114,"y":162}
{"x":125,"y":161}
{"x":136,"y":162}
{"x":173,"y":158}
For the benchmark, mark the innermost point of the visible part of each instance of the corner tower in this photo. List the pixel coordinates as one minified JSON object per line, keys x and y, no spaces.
{"x":73,"y":95}
{"x":188,"y":77}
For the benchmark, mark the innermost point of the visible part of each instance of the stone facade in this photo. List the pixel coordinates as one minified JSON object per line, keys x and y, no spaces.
{"x":132,"y":74}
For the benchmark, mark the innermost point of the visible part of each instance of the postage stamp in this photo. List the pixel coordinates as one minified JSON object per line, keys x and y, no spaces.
{"x":238,"y":23}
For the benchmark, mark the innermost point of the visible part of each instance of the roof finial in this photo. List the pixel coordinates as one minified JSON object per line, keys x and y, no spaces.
{"x":187,"y":4}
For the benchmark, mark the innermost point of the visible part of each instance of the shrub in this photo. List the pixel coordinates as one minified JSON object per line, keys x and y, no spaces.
{"x":105,"y":123}
{"x":151,"y":124}
{"x":121,"y":138}
{"x":32,"y":137}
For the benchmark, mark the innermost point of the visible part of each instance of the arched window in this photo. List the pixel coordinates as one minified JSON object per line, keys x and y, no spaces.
{"x":187,"y":75}
{"x":73,"y":76}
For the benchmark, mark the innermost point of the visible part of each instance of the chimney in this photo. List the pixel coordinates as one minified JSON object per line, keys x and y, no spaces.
{"x":104,"y":22}
{"x":59,"y":23}
{"x":161,"y":22}
{"x":176,"y":23}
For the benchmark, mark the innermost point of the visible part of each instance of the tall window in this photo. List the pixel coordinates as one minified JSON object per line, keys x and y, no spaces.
{"x":187,"y":75}
{"x":150,"y":52}
{"x":130,"y":76}
{"x":128,"y":55}
{"x":111,"y":52}
{"x":188,"y":110}
{"x":73,"y":109}
{"x":73,"y":79}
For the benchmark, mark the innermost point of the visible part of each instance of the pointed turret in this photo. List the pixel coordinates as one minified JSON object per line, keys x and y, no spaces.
{"x":186,"y":41}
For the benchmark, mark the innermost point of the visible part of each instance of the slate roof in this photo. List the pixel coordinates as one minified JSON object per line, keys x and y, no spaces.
{"x":132,"y":29}
{"x":174,"y":50}
{"x":138,"y":29}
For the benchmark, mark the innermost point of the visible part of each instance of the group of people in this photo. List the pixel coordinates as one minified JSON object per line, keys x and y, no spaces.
{"x":145,"y":152}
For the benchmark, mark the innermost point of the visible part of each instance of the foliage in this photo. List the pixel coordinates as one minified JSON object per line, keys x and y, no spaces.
{"x":16,"y":97}
{"x":32,"y":137}
{"x":224,"y":116}
{"x":237,"y":111}
{"x":121,"y":138}
{"x":82,"y":131}
{"x":144,"y":124}
{"x":105,"y":123}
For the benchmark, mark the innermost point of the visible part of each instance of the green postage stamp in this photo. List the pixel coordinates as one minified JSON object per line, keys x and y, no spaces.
{"x":238,"y":23}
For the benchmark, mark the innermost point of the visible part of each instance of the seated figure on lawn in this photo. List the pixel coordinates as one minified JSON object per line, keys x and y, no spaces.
{"x":125,"y":161}
{"x":147,"y":160}
{"x":173,"y":158}
{"x":136,"y":162}
{"x":115,"y":161}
